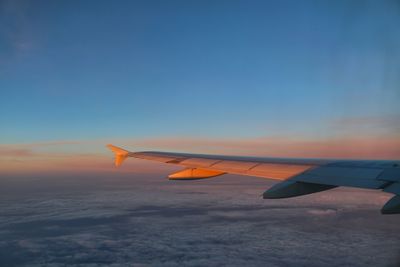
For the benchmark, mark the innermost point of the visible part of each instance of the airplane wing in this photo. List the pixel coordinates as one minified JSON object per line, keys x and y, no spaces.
{"x":298,"y":176}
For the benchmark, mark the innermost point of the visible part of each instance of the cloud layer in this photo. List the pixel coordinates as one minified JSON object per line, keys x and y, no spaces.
{"x":144,"y":220}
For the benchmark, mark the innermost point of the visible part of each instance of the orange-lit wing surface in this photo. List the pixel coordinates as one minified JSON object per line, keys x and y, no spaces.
{"x":194,"y":174}
{"x":299,"y":176}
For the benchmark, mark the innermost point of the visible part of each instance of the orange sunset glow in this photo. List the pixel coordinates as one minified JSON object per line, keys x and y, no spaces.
{"x":60,"y":156}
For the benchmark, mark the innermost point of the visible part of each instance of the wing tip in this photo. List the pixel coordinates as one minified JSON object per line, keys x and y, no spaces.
{"x":119,"y":153}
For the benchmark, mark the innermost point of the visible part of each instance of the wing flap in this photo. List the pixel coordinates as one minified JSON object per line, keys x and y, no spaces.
{"x":199,"y":162}
{"x":278,"y":171}
{"x":233,"y":166}
{"x":346,"y":172}
{"x":340,"y":181}
{"x":343,"y":176}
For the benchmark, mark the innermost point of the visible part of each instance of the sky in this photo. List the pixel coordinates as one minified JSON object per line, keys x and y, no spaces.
{"x":315,"y":79}
{"x":270,"y":78}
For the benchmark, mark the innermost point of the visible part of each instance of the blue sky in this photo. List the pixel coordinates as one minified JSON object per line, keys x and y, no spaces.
{"x":74,"y":70}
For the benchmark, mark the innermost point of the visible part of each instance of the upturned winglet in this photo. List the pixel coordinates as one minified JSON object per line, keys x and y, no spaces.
{"x":120,"y":154}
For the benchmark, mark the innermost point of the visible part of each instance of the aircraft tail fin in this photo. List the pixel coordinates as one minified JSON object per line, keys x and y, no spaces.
{"x":120,"y":154}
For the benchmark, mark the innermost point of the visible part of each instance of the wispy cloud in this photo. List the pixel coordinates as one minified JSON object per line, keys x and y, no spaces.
{"x":64,"y":156}
{"x":91,"y":155}
{"x":15,"y":152}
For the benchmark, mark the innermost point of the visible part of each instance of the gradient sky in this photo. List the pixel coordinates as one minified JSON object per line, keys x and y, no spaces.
{"x":81,"y":71}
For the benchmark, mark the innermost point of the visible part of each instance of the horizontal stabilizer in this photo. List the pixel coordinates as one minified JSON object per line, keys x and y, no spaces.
{"x":292,"y":189}
{"x":193,"y":174}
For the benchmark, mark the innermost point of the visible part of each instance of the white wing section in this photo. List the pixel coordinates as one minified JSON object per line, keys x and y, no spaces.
{"x":299,"y":176}
{"x":278,"y":169}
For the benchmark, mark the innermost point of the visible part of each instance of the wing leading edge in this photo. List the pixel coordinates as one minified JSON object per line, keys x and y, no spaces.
{"x":298,"y":176}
